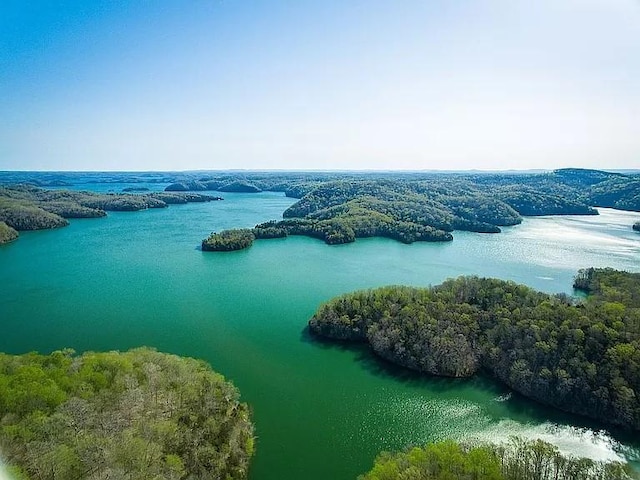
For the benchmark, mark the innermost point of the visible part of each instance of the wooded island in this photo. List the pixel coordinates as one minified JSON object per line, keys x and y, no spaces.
{"x":582,"y":357}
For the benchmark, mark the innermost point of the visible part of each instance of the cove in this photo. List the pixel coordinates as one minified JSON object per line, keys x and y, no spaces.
{"x":321,"y":410}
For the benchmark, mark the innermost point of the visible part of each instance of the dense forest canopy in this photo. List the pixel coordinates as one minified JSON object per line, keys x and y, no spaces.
{"x":7,"y":234}
{"x":136,"y":415}
{"x":235,"y":239}
{"x":428,"y":207}
{"x":339,"y":207}
{"x":519,"y":459}
{"x":580,"y":356}
{"x":578,"y":187}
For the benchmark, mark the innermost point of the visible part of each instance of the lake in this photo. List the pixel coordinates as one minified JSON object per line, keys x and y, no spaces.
{"x":321,"y":410}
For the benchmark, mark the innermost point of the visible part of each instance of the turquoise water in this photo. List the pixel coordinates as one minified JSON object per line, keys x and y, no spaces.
{"x":321,"y":410}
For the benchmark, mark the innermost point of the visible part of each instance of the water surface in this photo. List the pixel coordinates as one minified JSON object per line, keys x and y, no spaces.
{"x":321,"y":410}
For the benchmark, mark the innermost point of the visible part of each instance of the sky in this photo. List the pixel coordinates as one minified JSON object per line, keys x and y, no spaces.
{"x":332,"y":84}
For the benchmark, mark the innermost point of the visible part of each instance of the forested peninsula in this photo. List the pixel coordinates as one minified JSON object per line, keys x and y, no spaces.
{"x":26,"y":207}
{"x":519,"y":459}
{"x":7,"y":234}
{"x":582,"y":357}
{"x":429,"y":207}
{"x":138,"y":415}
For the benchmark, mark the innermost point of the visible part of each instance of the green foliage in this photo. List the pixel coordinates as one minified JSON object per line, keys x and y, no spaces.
{"x":438,"y":205}
{"x":608,"y":285}
{"x":137,"y":415}
{"x":617,"y":192}
{"x":228,"y":240}
{"x":240,"y":186}
{"x":7,"y":234}
{"x":345,"y":229}
{"x":24,"y":216}
{"x":563,"y":191}
{"x":412,"y":208}
{"x":341,"y":207}
{"x":519,"y":459}
{"x":580,"y":357}
{"x":531,"y":202}
{"x":269,"y":230}
{"x":68,"y":209}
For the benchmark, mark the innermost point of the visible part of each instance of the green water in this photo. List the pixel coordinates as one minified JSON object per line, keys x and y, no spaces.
{"x":322,"y":411}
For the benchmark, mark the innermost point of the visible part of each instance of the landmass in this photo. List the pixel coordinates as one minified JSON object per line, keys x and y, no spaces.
{"x":236,"y":186}
{"x":429,"y":207}
{"x":339,"y":207}
{"x":636,"y":226}
{"x":135,"y":189}
{"x":26,"y":207}
{"x":138,"y":414}
{"x":585,"y":187}
{"x":7,"y":234}
{"x":519,"y":459}
{"x":582,"y":357}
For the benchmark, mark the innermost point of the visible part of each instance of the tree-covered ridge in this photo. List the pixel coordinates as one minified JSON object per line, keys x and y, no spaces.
{"x":519,"y":459}
{"x":251,"y":182}
{"x":134,"y":415}
{"x":441,"y":205}
{"x":531,"y":202}
{"x":582,"y":357}
{"x":339,"y":207}
{"x":422,"y":207}
{"x":25,"y":207}
{"x":583,"y":186}
{"x":7,"y":234}
{"x":617,"y":192}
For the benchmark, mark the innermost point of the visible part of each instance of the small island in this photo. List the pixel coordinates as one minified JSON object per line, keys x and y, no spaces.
{"x":138,"y":414}
{"x":228,"y":240}
{"x":582,"y":357}
{"x":636,"y":226}
{"x":241,"y":238}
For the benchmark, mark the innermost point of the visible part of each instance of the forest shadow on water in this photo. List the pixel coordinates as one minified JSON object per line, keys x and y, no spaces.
{"x":509,"y":403}
{"x":381,"y":367}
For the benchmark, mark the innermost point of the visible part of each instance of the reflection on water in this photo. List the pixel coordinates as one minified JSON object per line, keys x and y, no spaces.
{"x":424,"y":420}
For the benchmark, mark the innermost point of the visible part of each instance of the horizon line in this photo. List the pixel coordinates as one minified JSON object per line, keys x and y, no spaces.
{"x":296,"y":170}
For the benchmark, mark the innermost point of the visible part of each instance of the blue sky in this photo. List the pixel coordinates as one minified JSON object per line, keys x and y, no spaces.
{"x":226,"y":84}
